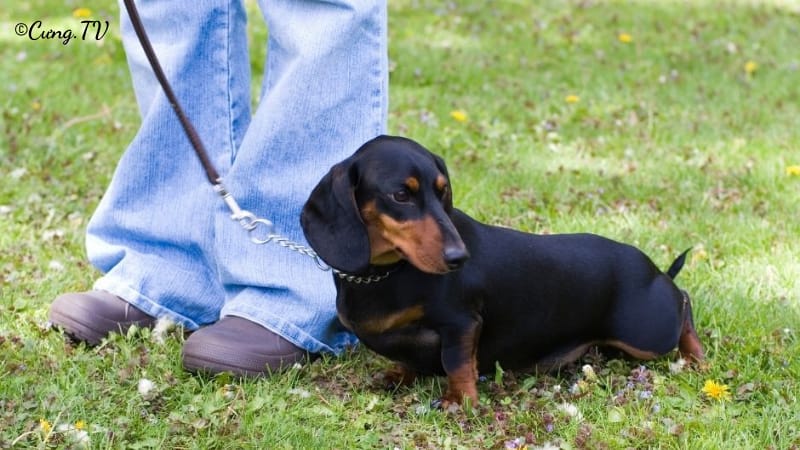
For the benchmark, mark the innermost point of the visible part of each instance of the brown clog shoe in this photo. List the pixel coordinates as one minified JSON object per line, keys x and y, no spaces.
{"x":91,"y":316}
{"x":241,"y":347}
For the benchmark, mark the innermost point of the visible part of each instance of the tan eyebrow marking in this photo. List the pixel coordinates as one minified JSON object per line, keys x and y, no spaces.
{"x":441,"y":183}
{"x":412,"y":184}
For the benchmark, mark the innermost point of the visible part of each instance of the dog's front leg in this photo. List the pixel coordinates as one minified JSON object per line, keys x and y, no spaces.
{"x":459,"y":359}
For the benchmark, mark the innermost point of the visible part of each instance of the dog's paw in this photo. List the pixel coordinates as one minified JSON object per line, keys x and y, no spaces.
{"x":443,"y":404}
{"x":453,"y":401}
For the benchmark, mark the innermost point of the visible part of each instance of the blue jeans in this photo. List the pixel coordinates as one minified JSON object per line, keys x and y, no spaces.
{"x":163,"y":239}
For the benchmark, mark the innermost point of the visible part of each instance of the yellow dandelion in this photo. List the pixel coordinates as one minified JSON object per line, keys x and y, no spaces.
{"x":80,"y":425}
{"x":750,"y":67}
{"x":716,"y":391}
{"x":36,"y":105}
{"x":45,"y":426}
{"x":572,"y":98}
{"x":700,"y":255}
{"x":459,"y":115}
{"x":81,"y":13}
{"x":625,"y":38}
{"x":793,"y":170}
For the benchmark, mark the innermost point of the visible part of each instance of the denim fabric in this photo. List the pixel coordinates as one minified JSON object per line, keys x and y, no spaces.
{"x":162,"y":237}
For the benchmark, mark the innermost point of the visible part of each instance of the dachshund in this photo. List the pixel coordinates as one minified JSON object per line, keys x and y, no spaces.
{"x":427,"y":286}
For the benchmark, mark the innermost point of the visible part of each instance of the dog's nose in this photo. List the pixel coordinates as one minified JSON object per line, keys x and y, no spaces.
{"x":455,"y":256}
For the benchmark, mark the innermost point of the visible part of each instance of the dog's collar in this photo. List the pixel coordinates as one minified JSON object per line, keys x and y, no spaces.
{"x":362,"y":279}
{"x":374,"y":277}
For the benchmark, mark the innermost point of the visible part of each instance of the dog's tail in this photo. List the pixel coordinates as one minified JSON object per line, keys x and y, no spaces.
{"x":677,"y":265}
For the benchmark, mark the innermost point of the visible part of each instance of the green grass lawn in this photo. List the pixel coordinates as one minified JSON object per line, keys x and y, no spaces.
{"x":664,"y":124}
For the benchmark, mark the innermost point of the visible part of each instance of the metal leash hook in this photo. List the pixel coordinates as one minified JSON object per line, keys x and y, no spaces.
{"x":250,"y":222}
{"x":246,"y":219}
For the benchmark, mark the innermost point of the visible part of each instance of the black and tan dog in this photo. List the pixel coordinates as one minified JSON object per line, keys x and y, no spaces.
{"x":429,"y":287}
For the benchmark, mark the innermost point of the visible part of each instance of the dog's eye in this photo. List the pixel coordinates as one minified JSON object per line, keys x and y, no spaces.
{"x":401,"y":196}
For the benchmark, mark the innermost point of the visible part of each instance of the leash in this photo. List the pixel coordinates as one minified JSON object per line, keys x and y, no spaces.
{"x":248,"y":221}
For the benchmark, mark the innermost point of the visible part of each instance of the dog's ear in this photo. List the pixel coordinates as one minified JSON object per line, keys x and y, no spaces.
{"x":332,"y":223}
{"x":447,"y":200}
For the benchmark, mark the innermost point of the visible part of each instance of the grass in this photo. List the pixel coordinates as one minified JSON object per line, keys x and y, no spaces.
{"x":671,"y":140}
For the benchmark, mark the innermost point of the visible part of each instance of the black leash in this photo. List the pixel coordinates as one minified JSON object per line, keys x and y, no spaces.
{"x":246,"y":219}
{"x":191,"y":133}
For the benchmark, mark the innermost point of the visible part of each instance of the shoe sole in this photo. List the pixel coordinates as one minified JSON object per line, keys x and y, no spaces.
{"x":211,"y":359}
{"x":75,"y":328}
{"x":206,"y":357}
{"x":86,"y":330}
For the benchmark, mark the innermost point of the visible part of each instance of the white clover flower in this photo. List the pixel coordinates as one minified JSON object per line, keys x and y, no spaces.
{"x":570,"y":410}
{"x":53,"y":235}
{"x":302,"y":393}
{"x":16,"y":174}
{"x":588,"y":372}
{"x":76,"y":434}
{"x":146,"y":388}
{"x":160,"y":330}
{"x":677,"y":366}
{"x":547,"y":446}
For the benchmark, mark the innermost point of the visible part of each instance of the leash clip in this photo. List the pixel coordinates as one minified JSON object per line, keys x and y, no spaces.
{"x":246,"y":219}
{"x":250,"y":222}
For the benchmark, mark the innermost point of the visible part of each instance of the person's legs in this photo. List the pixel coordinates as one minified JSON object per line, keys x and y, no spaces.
{"x":167,"y":243}
{"x":153,"y":232}
{"x":325,"y":93}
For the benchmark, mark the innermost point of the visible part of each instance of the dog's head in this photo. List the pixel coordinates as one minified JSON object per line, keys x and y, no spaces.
{"x":389,"y":201}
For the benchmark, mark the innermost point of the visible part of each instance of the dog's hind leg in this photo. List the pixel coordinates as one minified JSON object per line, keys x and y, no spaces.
{"x":689,"y":346}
